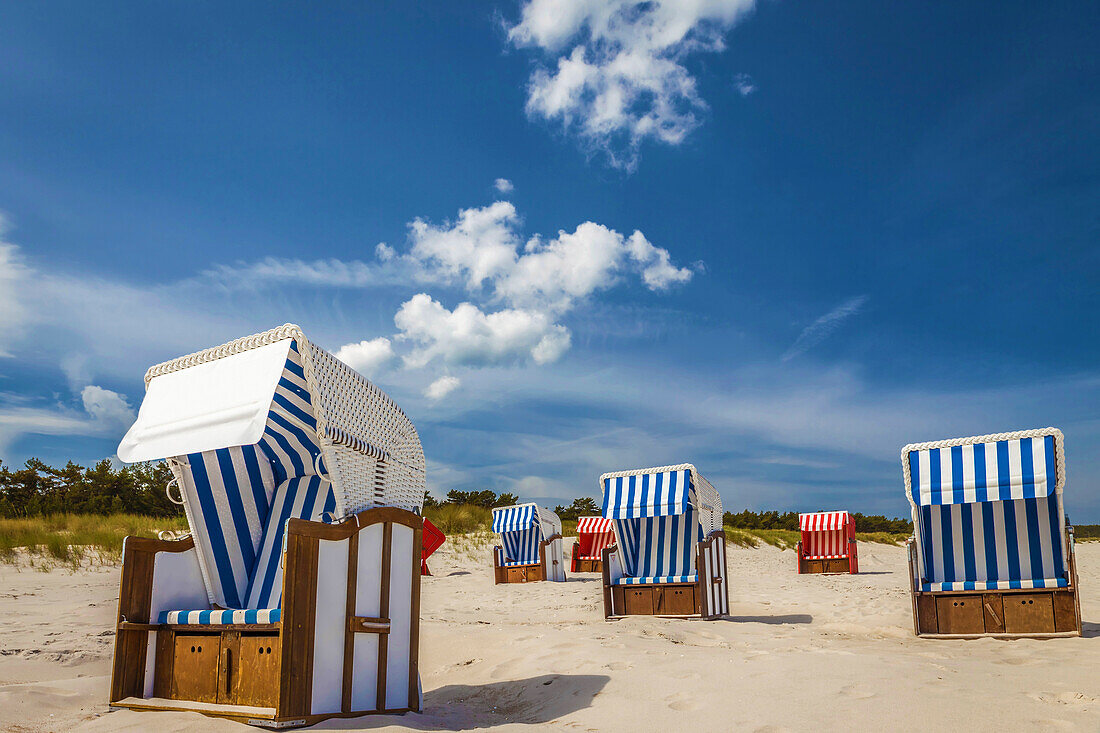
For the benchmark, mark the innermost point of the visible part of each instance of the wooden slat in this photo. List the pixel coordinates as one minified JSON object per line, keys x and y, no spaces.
{"x":384,"y":612}
{"x":299,"y":620}
{"x":414,"y":622}
{"x":349,"y":635}
{"x":134,"y":597}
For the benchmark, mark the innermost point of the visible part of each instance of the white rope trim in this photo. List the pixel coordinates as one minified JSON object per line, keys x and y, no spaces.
{"x":1059,"y":452}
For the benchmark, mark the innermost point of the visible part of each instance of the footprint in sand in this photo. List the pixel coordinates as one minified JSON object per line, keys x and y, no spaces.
{"x":1076,"y":699}
{"x":682,"y":702}
{"x":856,"y":693}
{"x":618,"y":666}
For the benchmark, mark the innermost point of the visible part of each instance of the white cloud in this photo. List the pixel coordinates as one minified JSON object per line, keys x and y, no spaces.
{"x":366,"y":357}
{"x":442,"y":387}
{"x":820,"y":329}
{"x":744,"y":84}
{"x":109,"y":409}
{"x":384,"y":252}
{"x":13,"y":275}
{"x":503,"y":185}
{"x":619,"y":77}
{"x":469,"y":336}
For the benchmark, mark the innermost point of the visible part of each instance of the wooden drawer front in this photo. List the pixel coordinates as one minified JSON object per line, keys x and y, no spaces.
{"x":255,"y":671}
{"x":813,"y":566}
{"x":1031,"y":613}
{"x":926,"y":615}
{"x":677,"y":600}
{"x":638,"y":601}
{"x":517,"y":575}
{"x":960,"y":614}
{"x":838,"y":565}
{"x":195,"y":668}
{"x":1065,"y":612}
{"x":994,"y":611}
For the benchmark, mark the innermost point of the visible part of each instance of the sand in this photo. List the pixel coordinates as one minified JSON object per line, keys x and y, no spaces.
{"x":797,"y":653}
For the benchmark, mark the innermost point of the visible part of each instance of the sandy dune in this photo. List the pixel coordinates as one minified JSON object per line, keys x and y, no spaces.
{"x":798,"y":652}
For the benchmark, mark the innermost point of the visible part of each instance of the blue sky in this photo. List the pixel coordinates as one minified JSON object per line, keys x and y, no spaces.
{"x":778,"y":240}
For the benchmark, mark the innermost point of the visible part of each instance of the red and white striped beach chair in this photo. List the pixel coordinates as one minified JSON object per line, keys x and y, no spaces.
{"x":828,"y":543}
{"x":593,"y":535}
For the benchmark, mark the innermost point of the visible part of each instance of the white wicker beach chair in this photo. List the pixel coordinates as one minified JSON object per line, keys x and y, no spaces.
{"x":296,"y":597}
{"x":531,"y":545}
{"x":992,"y":551}
{"x":670,"y":559}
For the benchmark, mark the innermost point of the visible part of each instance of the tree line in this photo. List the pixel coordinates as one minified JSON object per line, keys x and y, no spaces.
{"x":40,"y":490}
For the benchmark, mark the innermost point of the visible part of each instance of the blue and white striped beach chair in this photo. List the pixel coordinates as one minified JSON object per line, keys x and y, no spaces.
{"x":670,"y":556}
{"x":296,"y":595}
{"x":992,"y":552}
{"x":531,"y":545}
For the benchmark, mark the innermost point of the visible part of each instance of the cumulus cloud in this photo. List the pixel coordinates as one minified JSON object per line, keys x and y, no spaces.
{"x":469,"y":336}
{"x":109,"y":409}
{"x":821,"y":329}
{"x":617,"y":74}
{"x":503,"y":185}
{"x":366,"y":357}
{"x":481,"y":250}
{"x":442,"y":387}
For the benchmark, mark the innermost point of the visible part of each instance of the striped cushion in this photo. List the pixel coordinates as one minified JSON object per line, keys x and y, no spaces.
{"x":1000,"y":541}
{"x":230,"y":616}
{"x":510,"y":564}
{"x":660,"y":546}
{"x":522,"y":546}
{"x":693,"y":578}
{"x":997,"y":584}
{"x":308,"y":497}
{"x":830,"y":544}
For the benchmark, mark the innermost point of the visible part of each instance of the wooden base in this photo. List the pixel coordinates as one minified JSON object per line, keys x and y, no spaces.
{"x":1010,"y":613}
{"x":657,"y":599}
{"x":255,"y":716}
{"x":519,"y":574}
{"x":262,"y":674}
{"x":587,"y":565}
{"x":832,"y":565}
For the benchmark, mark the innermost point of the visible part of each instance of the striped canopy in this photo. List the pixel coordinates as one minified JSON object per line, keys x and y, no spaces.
{"x":1000,"y":470}
{"x":515,"y":518}
{"x":987,"y":511}
{"x":595,"y":525}
{"x":823,"y":521}
{"x":664,"y":494}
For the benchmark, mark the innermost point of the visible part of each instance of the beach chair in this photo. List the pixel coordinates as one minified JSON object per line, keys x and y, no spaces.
{"x":531,"y":545}
{"x":992,"y":550}
{"x":670,"y":558}
{"x":432,"y":541}
{"x":593,"y":535}
{"x":828,"y":543}
{"x":296,"y":596}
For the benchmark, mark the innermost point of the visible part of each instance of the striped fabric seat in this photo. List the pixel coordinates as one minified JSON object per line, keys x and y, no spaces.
{"x":988,"y":514}
{"x":517,"y":563}
{"x":693,"y":578}
{"x":824,"y":535}
{"x":593,"y":535}
{"x":228,"y":616}
{"x":522,"y":546}
{"x":238,"y":501}
{"x":657,"y":525}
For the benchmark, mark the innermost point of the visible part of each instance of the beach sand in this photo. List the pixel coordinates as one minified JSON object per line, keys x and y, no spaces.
{"x":797,"y":653}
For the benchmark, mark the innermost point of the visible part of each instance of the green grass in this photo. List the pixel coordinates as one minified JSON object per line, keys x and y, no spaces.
{"x":787,"y":539}
{"x":455,"y":519}
{"x":69,"y":538}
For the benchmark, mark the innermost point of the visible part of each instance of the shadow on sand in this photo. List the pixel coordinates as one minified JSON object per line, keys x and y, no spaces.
{"x":1090,"y":630}
{"x":535,"y":700}
{"x":791,"y":618}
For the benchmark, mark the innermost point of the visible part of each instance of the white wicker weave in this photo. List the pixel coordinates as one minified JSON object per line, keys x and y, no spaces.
{"x":369,"y":445}
{"x":709,"y":502}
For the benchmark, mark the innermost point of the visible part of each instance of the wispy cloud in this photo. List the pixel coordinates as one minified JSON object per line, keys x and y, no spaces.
{"x":744,"y":84}
{"x":823,"y":327}
{"x":503,"y":185}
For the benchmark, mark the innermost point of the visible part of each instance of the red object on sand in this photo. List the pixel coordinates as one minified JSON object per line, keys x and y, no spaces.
{"x":433,"y":540}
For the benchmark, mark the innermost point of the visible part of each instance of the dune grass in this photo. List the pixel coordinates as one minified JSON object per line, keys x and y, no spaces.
{"x":69,"y":538}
